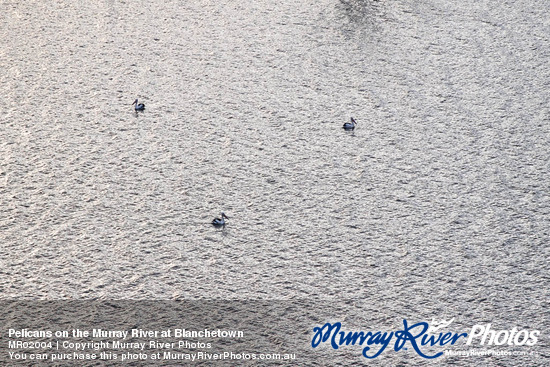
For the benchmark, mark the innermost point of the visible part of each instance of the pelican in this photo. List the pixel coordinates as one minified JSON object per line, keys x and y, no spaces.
{"x":139,"y":106}
{"x":220,"y":221}
{"x":350,"y":125}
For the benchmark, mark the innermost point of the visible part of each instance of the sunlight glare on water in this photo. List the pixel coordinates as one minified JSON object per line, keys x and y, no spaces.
{"x":439,"y":197}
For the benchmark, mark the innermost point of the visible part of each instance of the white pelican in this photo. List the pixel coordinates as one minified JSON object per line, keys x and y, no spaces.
{"x":350,"y":125}
{"x":220,"y":221}
{"x":139,"y":106}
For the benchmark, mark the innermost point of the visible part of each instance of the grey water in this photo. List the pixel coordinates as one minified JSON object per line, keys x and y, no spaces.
{"x":436,"y":204}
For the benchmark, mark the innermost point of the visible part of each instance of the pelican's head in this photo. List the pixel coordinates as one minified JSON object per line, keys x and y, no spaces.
{"x":224,"y":216}
{"x":135,"y":102}
{"x":353,"y":120}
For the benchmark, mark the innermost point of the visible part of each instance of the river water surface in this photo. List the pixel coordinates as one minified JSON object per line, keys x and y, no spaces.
{"x":437,"y":204}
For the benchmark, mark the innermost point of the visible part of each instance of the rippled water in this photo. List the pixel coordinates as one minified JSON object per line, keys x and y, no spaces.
{"x":437,"y":204}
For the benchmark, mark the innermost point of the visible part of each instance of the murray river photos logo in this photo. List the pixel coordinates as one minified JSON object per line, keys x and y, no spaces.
{"x":419,"y":336}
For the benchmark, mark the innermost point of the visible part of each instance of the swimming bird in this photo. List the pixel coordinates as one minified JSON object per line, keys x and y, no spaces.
{"x":350,"y":125}
{"x":220,"y":221}
{"x":139,"y":106}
